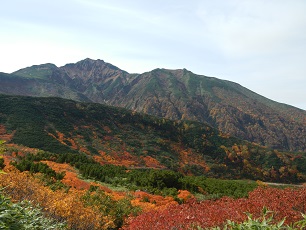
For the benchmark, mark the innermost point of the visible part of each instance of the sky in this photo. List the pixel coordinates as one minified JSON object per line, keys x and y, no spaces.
{"x":260,"y":44}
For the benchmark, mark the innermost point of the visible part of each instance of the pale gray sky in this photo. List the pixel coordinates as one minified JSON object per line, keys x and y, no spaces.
{"x":260,"y":44}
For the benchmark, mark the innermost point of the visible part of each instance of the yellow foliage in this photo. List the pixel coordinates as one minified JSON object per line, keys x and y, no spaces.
{"x":57,"y":204}
{"x":261,"y":183}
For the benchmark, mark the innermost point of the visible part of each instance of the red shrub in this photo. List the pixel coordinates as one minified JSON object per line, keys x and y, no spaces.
{"x":287,"y":203}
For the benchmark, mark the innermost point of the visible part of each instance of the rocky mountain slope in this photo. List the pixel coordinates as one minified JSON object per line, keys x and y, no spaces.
{"x":173,"y":94}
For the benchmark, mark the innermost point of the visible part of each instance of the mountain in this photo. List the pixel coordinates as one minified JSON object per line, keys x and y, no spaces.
{"x":174,"y":94}
{"x":118,"y":136}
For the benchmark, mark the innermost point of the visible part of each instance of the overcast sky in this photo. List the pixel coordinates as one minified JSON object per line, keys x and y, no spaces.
{"x":260,"y":44}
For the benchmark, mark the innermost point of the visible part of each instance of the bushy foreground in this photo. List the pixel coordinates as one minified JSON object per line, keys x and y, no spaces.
{"x":23,"y":215}
{"x":287,"y":203}
{"x":80,"y":209}
{"x":89,"y":207}
{"x":265,"y":222}
{"x":96,"y":210}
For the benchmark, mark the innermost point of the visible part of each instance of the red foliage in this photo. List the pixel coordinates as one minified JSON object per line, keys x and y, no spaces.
{"x":287,"y":203}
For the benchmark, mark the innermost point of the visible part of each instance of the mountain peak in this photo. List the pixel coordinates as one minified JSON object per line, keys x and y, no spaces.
{"x":89,"y":60}
{"x":91,"y":69}
{"x":89,"y":63}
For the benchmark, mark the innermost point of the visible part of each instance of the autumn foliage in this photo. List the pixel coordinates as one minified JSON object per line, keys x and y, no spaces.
{"x":57,"y":204}
{"x":289,"y":203}
{"x":84,"y":204}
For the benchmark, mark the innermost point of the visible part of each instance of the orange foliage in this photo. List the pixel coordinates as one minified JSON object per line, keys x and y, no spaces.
{"x":185,"y":195}
{"x":23,"y":149}
{"x":4,"y":135}
{"x":73,"y":144}
{"x":7,"y":159}
{"x":61,"y":138}
{"x":122,"y":159}
{"x":152,"y":162}
{"x":187,"y":157}
{"x":115,"y":195}
{"x":84,"y":150}
{"x":145,"y":206}
{"x":19,"y":151}
{"x":150,"y":202}
{"x":57,"y":204}
{"x":71,"y":178}
{"x":107,"y":129}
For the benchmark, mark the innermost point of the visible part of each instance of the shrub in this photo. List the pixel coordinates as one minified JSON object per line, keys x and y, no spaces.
{"x":24,"y":216}
{"x":265,"y":222}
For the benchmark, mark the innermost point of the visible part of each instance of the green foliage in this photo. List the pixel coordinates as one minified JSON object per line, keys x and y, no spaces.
{"x":119,"y":210}
{"x":22,"y":216}
{"x":2,"y":149}
{"x":155,"y":178}
{"x":27,"y":165}
{"x":2,"y":165}
{"x":265,"y":222}
{"x":49,"y":176}
{"x":217,"y":187}
{"x":162,"y":182}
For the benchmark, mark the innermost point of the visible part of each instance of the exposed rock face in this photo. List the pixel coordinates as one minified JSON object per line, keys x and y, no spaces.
{"x":173,"y":94}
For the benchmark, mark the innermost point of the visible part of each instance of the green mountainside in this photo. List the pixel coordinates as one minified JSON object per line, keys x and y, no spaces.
{"x":118,"y":136}
{"x":172,"y":94}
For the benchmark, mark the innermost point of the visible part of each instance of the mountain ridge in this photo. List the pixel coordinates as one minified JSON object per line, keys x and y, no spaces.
{"x":177,"y":95}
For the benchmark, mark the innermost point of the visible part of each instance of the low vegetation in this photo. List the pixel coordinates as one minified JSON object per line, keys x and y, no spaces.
{"x":287,"y":205}
{"x":160,"y":182}
{"x":153,"y":199}
{"x":24,"y":215}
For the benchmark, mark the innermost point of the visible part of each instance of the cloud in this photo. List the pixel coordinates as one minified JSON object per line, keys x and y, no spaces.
{"x":246,"y":28}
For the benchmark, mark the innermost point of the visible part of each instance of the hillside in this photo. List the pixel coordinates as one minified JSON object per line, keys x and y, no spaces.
{"x":172,"y":94}
{"x":121,"y":137}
